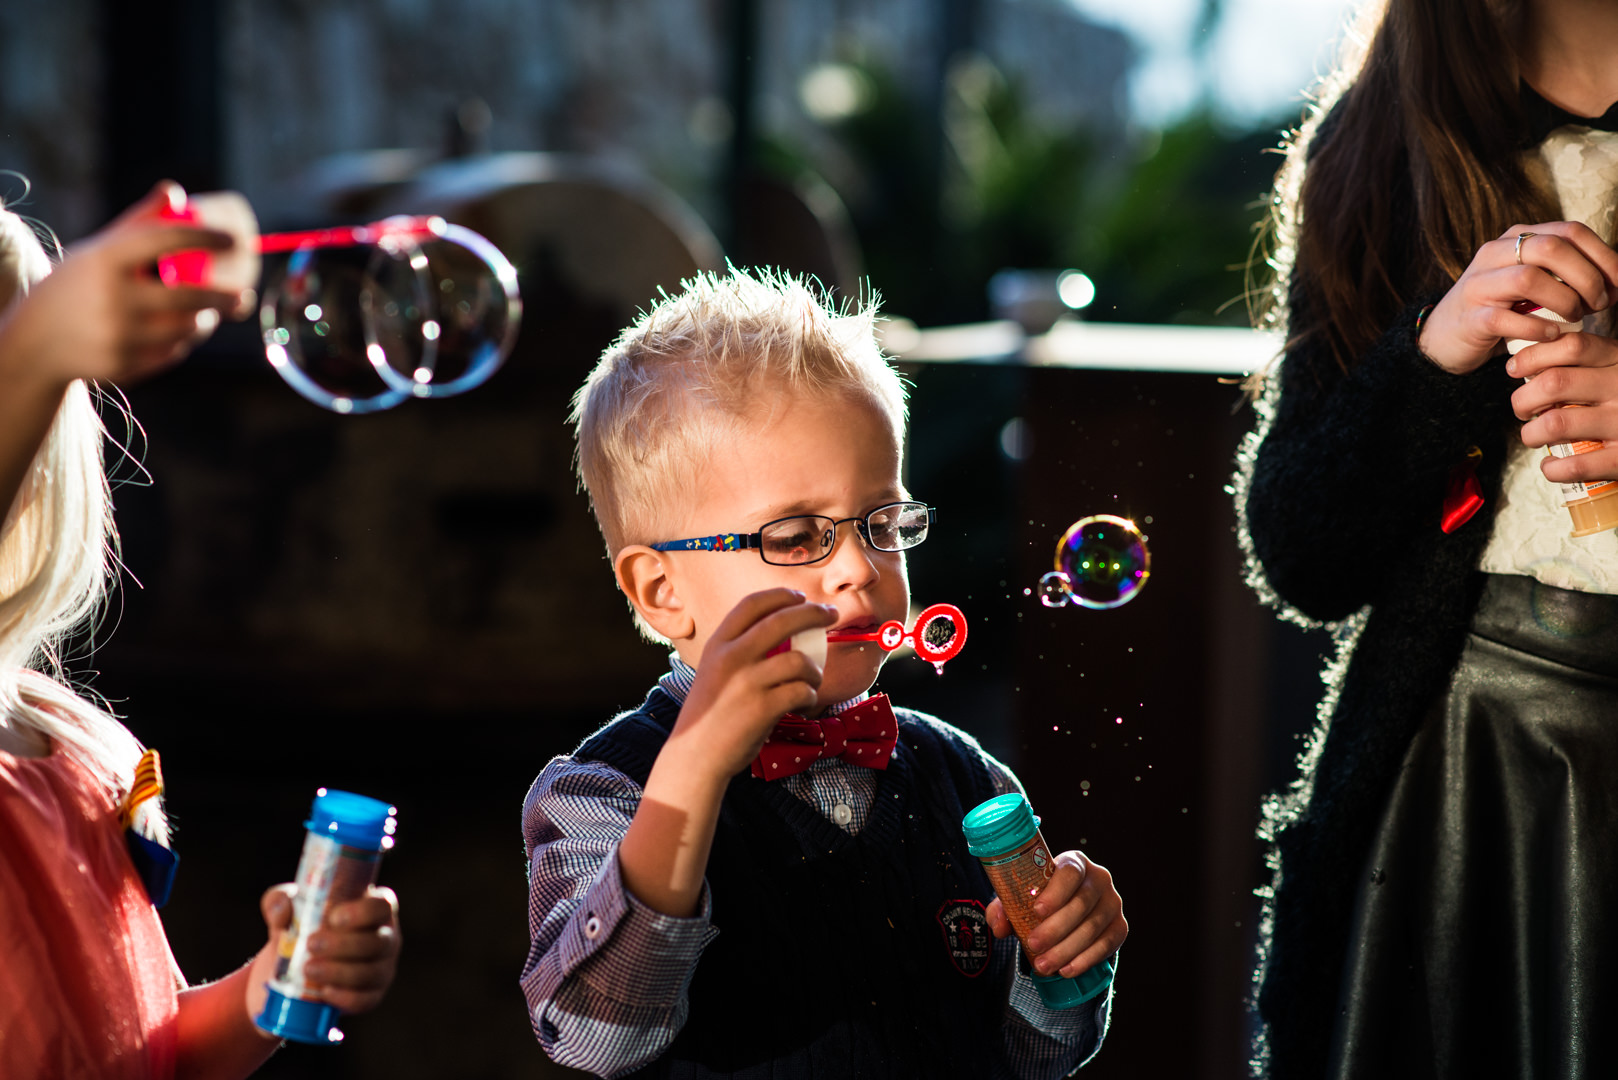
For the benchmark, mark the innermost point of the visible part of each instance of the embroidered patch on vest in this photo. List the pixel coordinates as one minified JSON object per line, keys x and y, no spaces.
{"x":966,"y":935}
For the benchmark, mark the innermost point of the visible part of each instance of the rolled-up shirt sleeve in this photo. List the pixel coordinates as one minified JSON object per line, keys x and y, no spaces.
{"x":606,"y":977}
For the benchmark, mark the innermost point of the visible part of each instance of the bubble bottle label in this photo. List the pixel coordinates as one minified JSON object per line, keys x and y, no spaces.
{"x":1004,"y":834}
{"x":1021,"y":873}
{"x":1591,"y":506}
{"x":341,"y":854}
{"x":329,"y":873}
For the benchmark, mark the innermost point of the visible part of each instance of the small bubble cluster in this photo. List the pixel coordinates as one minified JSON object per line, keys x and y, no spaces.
{"x":1101,"y":562}
{"x":1053,"y":589}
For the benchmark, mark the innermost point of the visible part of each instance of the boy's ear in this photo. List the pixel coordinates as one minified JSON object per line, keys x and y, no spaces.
{"x":643,"y":576}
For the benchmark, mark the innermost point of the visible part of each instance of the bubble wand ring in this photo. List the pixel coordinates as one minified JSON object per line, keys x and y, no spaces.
{"x":892,"y":634}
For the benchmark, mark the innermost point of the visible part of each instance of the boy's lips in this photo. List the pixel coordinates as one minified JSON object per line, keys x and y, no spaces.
{"x":866,"y":624}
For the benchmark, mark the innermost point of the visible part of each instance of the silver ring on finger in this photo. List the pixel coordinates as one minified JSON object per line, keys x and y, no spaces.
{"x":1520,"y":238}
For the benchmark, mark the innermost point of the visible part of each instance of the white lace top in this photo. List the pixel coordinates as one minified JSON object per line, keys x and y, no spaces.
{"x":1531,"y":528}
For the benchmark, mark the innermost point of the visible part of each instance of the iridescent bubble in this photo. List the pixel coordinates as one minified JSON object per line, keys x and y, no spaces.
{"x":319,"y":333}
{"x":1105,"y":559}
{"x":471,"y":321}
{"x":939,"y":632}
{"x":359,"y":319}
{"x":1053,"y":589}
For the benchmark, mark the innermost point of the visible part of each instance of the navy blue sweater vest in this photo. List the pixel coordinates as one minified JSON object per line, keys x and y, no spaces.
{"x":838,"y":956}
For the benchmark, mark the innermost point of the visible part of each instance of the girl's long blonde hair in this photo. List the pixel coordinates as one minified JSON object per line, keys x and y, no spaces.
{"x":58,"y":548}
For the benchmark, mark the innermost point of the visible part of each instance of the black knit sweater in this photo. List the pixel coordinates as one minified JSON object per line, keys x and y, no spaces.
{"x":1343,"y":499}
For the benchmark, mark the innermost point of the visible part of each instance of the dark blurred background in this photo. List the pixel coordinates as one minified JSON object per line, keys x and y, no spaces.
{"x":416,"y":605}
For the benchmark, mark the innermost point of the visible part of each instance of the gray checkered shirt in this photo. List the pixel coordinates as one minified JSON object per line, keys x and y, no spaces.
{"x":606,"y":976}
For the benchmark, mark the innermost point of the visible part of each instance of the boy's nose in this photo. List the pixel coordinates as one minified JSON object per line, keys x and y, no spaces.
{"x":850,"y":565}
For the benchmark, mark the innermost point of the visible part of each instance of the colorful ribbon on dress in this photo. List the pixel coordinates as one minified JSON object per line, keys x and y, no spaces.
{"x":148,"y":785}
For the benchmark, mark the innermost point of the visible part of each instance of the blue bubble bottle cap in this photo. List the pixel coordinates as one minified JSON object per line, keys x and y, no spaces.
{"x":299,"y":1020}
{"x":1058,"y":992}
{"x":1003,"y":823}
{"x":352,"y":820}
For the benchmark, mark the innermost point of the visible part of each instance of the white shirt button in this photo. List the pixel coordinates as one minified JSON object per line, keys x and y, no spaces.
{"x":841,"y":814}
{"x":592,"y":928}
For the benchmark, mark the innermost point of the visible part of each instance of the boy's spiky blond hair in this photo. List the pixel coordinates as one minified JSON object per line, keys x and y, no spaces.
{"x":724,"y":351}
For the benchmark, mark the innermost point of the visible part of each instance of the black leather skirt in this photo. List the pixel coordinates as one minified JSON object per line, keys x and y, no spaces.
{"x":1486,"y":929}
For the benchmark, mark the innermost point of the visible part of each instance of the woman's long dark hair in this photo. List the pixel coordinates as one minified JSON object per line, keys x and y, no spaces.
{"x":1414,"y":160}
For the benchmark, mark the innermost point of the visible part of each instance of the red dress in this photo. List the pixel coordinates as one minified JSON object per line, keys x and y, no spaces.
{"x":88,"y":987}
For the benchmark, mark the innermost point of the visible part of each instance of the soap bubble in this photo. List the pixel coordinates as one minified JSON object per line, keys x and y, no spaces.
{"x":1053,"y":589}
{"x":321,"y":331}
{"x":939,"y":632}
{"x":1105,"y":560}
{"x":471,"y":319}
{"x":360,"y":319}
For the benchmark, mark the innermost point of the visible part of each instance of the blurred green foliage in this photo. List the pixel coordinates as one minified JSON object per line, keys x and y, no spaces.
{"x":1161,"y":221}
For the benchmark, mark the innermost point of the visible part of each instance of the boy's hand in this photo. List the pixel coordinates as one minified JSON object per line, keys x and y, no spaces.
{"x":352,"y":956}
{"x":740,"y":692}
{"x":1083,"y":918}
{"x":738,"y":695}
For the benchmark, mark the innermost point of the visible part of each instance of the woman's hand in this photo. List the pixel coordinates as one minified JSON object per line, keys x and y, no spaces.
{"x":1573,"y":370}
{"x":1467,"y":326}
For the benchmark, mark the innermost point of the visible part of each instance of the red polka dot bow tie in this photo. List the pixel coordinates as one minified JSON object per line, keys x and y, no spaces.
{"x":863,"y":734}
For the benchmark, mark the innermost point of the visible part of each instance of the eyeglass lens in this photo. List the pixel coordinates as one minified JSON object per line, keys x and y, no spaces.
{"x":807,"y":539}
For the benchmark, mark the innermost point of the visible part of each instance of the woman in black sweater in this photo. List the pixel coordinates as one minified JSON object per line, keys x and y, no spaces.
{"x":1447,"y":860}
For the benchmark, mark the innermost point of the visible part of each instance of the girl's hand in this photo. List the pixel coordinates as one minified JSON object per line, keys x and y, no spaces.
{"x":1467,"y":326}
{"x":1573,"y":370}
{"x":1082,"y":918}
{"x":102,"y":314}
{"x":352,"y":957}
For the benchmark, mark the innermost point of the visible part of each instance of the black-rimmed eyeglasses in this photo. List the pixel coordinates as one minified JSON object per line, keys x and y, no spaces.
{"x":808,"y":538}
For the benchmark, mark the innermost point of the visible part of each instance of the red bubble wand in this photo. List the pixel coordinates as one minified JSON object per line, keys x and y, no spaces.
{"x":933,"y":647}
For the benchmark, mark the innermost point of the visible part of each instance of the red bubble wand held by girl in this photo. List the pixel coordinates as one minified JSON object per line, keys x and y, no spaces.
{"x":360,"y":318}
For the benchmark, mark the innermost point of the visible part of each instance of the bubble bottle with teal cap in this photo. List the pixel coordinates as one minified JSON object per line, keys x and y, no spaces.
{"x":341,"y":854}
{"x":1004,"y":834}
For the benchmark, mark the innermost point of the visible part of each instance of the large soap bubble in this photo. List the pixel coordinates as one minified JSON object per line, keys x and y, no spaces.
{"x":359,"y":319}
{"x":1101,"y":562}
{"x":334,"y":320}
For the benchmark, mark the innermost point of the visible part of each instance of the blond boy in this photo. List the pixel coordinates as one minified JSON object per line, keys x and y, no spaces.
{"x":741,"y":446}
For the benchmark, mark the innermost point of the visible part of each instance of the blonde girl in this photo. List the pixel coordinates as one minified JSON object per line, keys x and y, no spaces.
{"x":88,"y":986}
